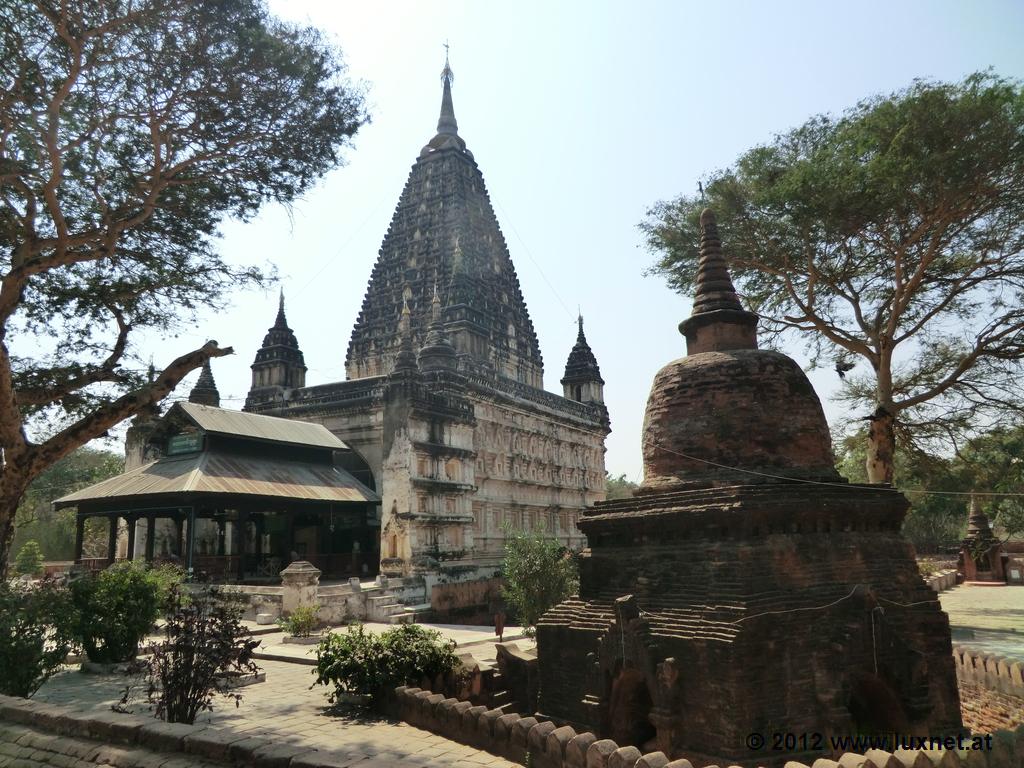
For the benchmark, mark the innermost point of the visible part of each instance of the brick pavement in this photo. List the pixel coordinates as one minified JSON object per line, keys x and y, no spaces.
{"x":285,"y":710}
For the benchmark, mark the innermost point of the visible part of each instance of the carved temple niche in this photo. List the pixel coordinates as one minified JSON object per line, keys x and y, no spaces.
{"x":635,"y":687}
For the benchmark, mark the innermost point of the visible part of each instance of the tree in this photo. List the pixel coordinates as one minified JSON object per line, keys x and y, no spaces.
{"x":893,"y":236}
{"x":128,"y":130}
{"x":539,"y":573}
{"x":30,"y":559}
{"x":55,"y":529}
{"x":618,"y":487}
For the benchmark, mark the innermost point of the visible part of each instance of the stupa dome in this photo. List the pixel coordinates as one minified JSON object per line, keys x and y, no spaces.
{"x":729,"y":410}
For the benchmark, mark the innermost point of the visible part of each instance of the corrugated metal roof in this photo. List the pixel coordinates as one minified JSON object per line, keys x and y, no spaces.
{"x":253,"y":425}
{"x":220,"y":473}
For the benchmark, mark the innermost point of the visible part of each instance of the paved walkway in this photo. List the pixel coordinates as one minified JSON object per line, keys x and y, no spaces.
{"x":990,"y":619}
{"x":285,"y":710}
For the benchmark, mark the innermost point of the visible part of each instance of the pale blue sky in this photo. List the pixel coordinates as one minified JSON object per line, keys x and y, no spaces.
{"x":581,"y":115}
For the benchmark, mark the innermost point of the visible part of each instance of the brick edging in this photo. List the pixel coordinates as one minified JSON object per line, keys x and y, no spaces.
{"x":199,"y":741}
{"x":513,"y":736}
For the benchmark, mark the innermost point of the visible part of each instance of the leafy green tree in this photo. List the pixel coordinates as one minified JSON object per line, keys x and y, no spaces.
{"x":539,"y":573}
{"x":36,"y":634}
{"x":892,"y":238}
{"x":994,"y":462}
{"x":128,"y":130}
{"x":55,"y":529}
{"x":935,"y":522}
{"x":618,"y":487}
{"x":30,"y":559}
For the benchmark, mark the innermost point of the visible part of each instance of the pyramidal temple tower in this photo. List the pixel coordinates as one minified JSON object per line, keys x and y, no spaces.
{"x":444,"y":405}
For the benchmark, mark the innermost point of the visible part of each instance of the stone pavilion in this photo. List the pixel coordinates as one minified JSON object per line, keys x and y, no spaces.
{"x":747,"y":588}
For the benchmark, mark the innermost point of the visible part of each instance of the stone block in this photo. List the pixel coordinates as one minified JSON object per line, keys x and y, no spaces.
{"x":277,"y":755}
{"x":314,"y":759}
{"x":822,"y":762}
{"x":795,"y":764}
{"x":576,"y":749}
{"x":485,"y":723}
{"x":852,"y":760}
{"x":652,"y":760}
{"x":624,"y":757}
{"x":912,"y":758}
{"x":468,"y":731}
{"x":599,"y":752}
{"x":537,"y":737}
{"x":113,"y":727}
{"x":211,"y":744}
{"x":167,"y":737}
{"x":682,"y":763}
{"x":557,"y":743}
{"x":263,"y":619}
{"x":521,"y":731}
{"x":882,"y":759}
{"x":503,"y":728}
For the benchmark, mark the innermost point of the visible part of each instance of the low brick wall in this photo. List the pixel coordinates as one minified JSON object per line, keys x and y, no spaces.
{"x":545,"y":745}
{"x":38,"y":734}
{"x":942,"y":580}
{"x":991,"y":690}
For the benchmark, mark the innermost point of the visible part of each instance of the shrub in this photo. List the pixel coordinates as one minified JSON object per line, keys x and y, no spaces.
{"x":116,"y":608}
{"x":204,"y":644}
{"x":167,"y":577}
{"x":302,"y":622}
{"x":539,"y":573}
{"x":36,"y":634}
{"x":360,"y":663}
{"x":30,"y":559}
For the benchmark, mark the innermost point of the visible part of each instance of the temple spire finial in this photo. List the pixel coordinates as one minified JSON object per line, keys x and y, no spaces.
{"x":446,"y":123}
{"x":280,"y":321}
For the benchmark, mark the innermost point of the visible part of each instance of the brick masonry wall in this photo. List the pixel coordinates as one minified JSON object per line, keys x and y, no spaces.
{"x":38,"y":734}
{"x":991,"y":690}
{"x":542,"y":744}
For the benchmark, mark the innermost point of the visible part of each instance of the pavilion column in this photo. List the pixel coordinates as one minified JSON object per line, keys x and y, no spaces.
{"x":179,"y":524}
{"x":112,"y":539}
{"x":240,"y":525}
{"x":221,"y":535}
{"x":190,"y":545}
{"x":132,"y":525}
{"x":79,"y":536}
{"x":150,"y":537}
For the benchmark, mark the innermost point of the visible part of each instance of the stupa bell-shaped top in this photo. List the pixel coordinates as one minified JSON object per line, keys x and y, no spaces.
{"x":730,"y":413}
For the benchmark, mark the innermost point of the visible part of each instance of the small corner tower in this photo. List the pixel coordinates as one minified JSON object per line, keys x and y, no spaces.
{"x":279,"y":364}
{"x":582,"y":381}
{"x":205,"y":391}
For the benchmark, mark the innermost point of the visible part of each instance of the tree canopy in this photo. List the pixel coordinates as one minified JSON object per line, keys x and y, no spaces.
{"x":128,"y":130}
{"x":892,"y":239}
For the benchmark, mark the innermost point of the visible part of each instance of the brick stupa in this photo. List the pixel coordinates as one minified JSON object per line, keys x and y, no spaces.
{"x":747,"y":588}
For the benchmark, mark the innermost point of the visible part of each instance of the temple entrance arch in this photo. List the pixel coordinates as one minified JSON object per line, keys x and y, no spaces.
{"x":875,"y":708}
{"x":629,"y":707}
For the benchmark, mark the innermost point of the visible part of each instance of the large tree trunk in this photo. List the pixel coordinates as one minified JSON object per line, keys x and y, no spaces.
{"x":12,"y":487}
{"x":881,"y":445}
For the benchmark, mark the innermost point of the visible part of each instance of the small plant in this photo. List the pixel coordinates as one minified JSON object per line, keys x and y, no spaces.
{"x":36,"y":634}
{"x":927,"y":568}
{"x":539,"y":573}
{"x":115,"y":610}
{"x":363,"y":664}
{"x":30,"y":559}
{"x":205,"y":644}
{"x":302,"y":622}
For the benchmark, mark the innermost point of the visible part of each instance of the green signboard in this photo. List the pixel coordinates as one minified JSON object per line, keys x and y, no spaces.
{"x":184,"y":444}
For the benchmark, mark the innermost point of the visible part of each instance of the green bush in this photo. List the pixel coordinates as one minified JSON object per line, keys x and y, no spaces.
{"x":37,"y":624}
{"x":360,"y":663}
{"x":539,"y":573}
{"x":205,"y":645}
{"x":115,"y":610}
{"x":30,"y":559}
{"x":302,"y":621}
